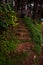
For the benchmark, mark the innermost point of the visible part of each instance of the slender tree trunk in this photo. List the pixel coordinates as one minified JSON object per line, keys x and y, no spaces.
{"x":35,"y":10}
{"x":40,"y":9}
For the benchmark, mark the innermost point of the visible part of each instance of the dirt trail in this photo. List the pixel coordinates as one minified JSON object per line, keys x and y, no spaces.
{"x":22,"y":33}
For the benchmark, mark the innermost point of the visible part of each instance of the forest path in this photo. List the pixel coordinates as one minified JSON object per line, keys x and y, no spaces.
{"x":22,"y":34}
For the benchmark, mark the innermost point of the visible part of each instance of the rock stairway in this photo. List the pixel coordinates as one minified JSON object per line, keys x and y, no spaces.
{"x":22,"y":32}
{"x":23,"y":35}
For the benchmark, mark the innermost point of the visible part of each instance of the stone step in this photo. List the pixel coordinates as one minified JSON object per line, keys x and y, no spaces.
{"x":26,"y":39}
{"x":24,"y":46}
{"x":22,"y":33}
{"x":20,"y":26}
{"x":22,"y":29}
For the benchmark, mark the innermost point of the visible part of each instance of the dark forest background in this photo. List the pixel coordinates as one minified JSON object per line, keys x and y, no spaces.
{"x":31,"y":8}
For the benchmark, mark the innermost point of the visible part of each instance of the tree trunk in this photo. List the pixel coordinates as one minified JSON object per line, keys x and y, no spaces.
{"x":35,"y":10}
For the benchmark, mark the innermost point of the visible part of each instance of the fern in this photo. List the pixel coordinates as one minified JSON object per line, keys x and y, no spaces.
{"x":35,"y":33}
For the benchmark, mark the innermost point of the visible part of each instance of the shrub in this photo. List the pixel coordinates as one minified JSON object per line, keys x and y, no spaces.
{"x":7,"y":16}
{"x":8,"y":54}
{"x":7,"y":48}
{"x":35,"y":33}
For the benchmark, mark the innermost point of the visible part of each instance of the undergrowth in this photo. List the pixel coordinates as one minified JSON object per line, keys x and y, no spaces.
{"x":35,"y":33}
{"x":7,"y":16}
{"x":36,"y":37}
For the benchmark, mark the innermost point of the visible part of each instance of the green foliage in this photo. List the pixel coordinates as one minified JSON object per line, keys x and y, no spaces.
{"x":35,"y":33}
{"x":6,"y":48}
{"x":17,"y":59}
{"x":8,"y":55}
{"x":37,"y":48}
{"x":38,"y":26}
{"x":7,"y":16}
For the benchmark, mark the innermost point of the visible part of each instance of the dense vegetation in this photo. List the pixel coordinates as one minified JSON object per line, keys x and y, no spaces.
{"x":7,"y":16}
{"x":35,"y":33}
{"x":8,"y":55}
{"x":8,"y":41}
{"x":7,"y":46}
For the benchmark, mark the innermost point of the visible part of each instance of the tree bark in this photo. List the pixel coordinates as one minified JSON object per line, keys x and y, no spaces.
{"x":35,"y":10}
